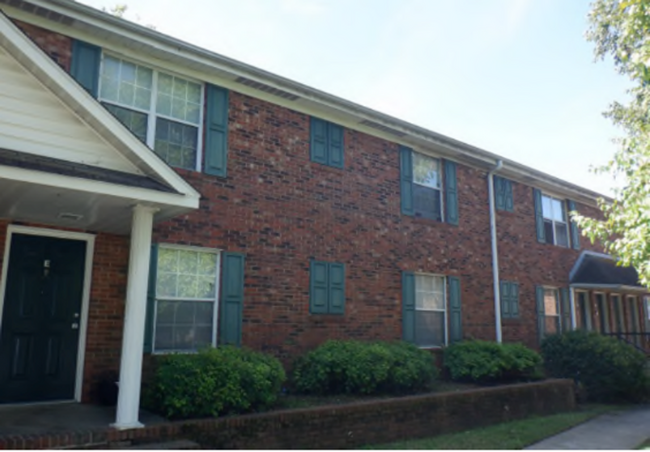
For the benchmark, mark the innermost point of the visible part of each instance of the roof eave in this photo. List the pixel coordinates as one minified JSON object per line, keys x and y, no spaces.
{"x":414,"y":135}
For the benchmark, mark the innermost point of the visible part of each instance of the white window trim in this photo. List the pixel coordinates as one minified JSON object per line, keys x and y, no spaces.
{"x":587,"y":306}
{"x":216,"y":301}
{"x":440,"y":179}
{"x":151,"y":113}
{"x":554,"y":222}
{"x":445,"y":311}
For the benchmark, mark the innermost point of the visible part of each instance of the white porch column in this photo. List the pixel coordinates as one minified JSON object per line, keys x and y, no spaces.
{"x":128,"y":402}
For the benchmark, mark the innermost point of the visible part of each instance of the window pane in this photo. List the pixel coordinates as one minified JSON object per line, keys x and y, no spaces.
{"x":176,"y":143}
{"x":547,"y":207}
{"x":550,"y":302}
{"x":135,"y":121}
{"x":561,"y":235}
{"x":423,"y":283}
{"x":552,"y":324}
{"x":125,"y":83}
{"x":429,"y":292}
{"x":425,"y":170}
{"x":558,"y":210}
{"x":167,"y":260}
{"x":184,"y":325}
{"x":426,"y":202}
{"x":166,"y":285}
{"x":178,"y":98}
{"x":548,"y":231}
{"x":429,"y":328}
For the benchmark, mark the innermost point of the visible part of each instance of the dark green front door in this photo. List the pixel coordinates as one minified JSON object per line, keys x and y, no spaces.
{"x":39,"y":335}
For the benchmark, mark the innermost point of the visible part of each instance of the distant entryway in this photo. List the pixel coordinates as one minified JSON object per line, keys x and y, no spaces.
{"x":41,"y":314}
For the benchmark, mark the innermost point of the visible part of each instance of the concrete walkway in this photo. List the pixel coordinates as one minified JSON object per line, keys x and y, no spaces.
{"x":620,"y":430}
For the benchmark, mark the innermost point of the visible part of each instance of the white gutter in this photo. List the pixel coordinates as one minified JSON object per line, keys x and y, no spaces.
{"x":495,"y":255}
{"x":620,"y":287}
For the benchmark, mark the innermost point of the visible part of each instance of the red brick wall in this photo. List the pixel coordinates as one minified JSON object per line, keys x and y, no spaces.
{"x":57,"y":46}
{"x":282,"y":210}
{"x":106,"y":306}
{"x":524,"y":260}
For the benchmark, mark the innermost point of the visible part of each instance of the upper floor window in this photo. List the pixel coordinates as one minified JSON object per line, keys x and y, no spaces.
{"x":555,"y":221}
{"x":163,"y":110}
{"x":427,"y":187}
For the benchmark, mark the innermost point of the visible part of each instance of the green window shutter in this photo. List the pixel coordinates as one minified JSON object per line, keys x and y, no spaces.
{"x":216,"y":134}
{"x":451,"y":193}
{"x":499,"y":193}
{"x":575,"y":234}
{"x":539,"y":216}
{"x":318,"y":287}
{"x":151,"y":299}
{"x":566,"y":309}
{"x":514,"y":300}
{"x":408,"y":307}
{"x":505,"y":299}
{"x":406,"y":179}
{"x":336,"y":288}
{"x":84,"y":66}
{"x":541,"y":313}
{"x":335,"y":145}
{"x":318,"y":147}
{"x":232,"y":299}
{"x":509,"y":201}
{"x":455,"y":314}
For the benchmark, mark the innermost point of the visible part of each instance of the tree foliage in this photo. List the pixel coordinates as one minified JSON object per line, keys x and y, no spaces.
{"x":621,"y":29}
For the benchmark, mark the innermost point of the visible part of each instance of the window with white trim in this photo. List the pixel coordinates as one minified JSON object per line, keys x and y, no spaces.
{"x":552,"y":313}
{"x":163,"y":110}
{"x":555,"y":221}
{"x":186,"y":299}
{"x":427,"y":187}
{"x":430,"y":311}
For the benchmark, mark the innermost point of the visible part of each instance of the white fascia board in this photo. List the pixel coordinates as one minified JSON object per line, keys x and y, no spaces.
{"x":98,"y":187}
{"x":87,"y":107}
{"x":312,"y":100}
{"x":610,"y":287}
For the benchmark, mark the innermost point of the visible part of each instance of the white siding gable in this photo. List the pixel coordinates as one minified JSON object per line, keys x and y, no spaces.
{"x":35,"y":121}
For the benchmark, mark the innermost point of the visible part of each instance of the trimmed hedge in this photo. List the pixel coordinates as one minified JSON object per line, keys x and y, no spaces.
{"x":489,"y":362}
{"x":214,"y":382}
{"x":606,"y":367}
{"x":355,"y":367}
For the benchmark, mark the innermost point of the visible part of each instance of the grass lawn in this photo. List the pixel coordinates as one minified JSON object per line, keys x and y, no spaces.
{"x":510,"y":435}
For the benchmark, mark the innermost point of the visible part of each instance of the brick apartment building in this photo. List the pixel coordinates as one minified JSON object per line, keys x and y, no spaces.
{"x":158,"y":197}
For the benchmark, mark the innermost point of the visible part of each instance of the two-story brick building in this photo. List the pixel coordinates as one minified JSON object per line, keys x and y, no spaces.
{"x":156,"y":197}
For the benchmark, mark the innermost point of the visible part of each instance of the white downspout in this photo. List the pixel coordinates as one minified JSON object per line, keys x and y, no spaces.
{"x":495,"y":254}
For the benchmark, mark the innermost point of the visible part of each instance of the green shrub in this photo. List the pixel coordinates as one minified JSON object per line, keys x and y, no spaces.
{"x":487,"y":362}
{"x":607,"y":368}
{"x":354,"y":367}
{"x":214,"y":382}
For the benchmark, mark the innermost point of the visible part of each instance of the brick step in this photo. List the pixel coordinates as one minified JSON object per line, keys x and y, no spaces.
{"x":179,"y":444}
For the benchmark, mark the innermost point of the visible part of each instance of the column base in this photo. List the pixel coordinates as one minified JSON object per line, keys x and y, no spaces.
{"x":127,"y":426}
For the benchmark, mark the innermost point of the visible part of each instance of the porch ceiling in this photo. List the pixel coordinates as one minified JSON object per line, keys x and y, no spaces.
{"x":73,"y":208}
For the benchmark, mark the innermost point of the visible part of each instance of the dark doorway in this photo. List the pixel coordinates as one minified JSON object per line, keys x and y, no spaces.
{"x":41,"y":317}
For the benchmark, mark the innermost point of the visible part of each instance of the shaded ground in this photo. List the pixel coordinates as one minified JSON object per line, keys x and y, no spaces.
{"x":509,"y":435}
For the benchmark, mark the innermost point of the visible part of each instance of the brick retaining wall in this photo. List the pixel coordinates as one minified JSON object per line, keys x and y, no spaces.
{"x":341,"y":426}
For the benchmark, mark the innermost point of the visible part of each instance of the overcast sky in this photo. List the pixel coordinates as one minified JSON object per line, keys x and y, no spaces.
{"x":514,"y":77}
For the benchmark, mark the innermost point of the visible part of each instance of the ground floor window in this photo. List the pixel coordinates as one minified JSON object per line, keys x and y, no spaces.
{"x":552,"y":313}
{"x":430,"y":311}
{"x":186,"y":298}
{"x":617,"y":306}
